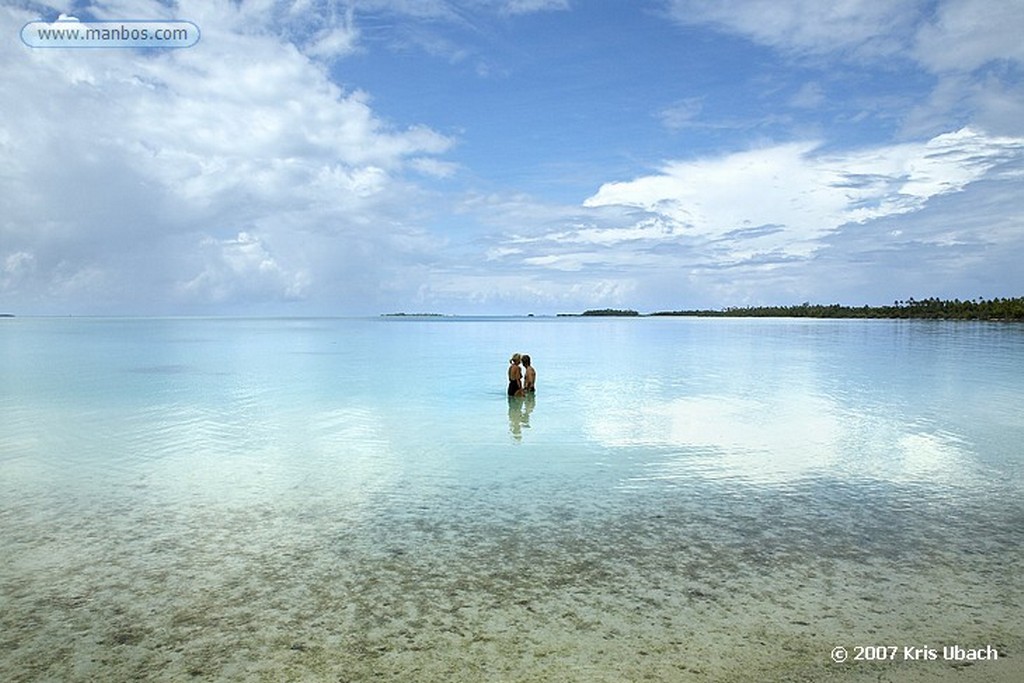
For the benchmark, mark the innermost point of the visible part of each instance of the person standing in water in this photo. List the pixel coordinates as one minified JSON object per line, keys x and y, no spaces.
{"x":515,"y":376}
{"x":530,"y":381}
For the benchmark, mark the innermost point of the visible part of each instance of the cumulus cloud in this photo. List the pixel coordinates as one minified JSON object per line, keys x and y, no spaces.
{"x":239,"y":269}
{"x":119,"y":162}
{"x":18,"y":268}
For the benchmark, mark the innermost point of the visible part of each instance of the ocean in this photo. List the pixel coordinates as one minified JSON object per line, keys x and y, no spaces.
{"x":357,"y":498}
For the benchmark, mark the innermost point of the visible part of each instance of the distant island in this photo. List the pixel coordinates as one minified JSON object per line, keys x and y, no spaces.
{"x":413,"y":315}
{"x":997,"y":309}
{"x":614,"y":312}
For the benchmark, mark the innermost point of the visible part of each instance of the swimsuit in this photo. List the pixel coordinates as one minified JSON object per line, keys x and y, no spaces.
{"x":513,"y":387}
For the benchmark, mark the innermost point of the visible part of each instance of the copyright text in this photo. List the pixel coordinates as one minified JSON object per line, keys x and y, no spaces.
{"x":912,"y":653}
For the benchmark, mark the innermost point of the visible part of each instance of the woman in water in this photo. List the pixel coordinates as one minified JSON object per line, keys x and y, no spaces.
{"x":515,"y":376}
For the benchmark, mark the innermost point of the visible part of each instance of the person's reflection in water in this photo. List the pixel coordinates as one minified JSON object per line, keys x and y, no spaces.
{"x":519,"y":409}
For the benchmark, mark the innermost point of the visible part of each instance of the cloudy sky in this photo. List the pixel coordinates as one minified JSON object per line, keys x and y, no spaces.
{"x":513,"y":156}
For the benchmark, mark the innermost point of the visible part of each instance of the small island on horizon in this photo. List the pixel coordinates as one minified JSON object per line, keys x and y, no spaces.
{"x":996,"y":309}
{"x":609,"y":312}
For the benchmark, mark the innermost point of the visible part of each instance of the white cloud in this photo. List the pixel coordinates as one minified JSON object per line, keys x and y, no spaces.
{"x":524,"y":290}
{"x":647,"y":228}
{"x":782,"y":199}
{"x":810,"y":96}
{"x":498,"y":253}
{"x":434,"y":167}
{"x":967,"y":34}
{"x":240,"y":269}
{"x":973,"y":46}
{"x":864,"y":27}
{"x":18,"y":268}
{"x":974,"y":49}
{"x":333,"y":42}
{"x":999,"y":105}
{"x":530,"y":6}
{"x":682,"y":113}
{"x":118,"y":163}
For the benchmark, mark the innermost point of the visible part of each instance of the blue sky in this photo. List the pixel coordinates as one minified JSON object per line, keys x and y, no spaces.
{"x":513,"y":156}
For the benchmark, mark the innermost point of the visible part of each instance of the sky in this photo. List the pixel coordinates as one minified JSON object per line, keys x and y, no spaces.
{"x":310,"y":157}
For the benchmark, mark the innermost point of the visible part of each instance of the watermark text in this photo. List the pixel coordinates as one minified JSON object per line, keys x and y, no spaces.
{"x":68,"y":32}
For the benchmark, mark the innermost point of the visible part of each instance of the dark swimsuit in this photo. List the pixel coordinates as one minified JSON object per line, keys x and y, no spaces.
{"x":513,"y":387}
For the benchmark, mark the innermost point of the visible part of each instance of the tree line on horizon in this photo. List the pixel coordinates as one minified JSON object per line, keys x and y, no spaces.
{"x":928,"y":309}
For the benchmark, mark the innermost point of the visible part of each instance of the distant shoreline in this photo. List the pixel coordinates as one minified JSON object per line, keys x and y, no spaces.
{"x":995,"y":310}
{"x":987,"y":310}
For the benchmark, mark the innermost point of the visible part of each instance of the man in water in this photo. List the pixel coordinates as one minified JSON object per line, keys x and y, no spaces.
{"x":530,"y":383}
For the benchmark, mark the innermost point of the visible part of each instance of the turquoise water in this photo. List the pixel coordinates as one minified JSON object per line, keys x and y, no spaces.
{"x":684,"y":499}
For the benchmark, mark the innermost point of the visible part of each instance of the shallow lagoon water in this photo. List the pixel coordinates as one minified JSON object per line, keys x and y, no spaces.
{"x":350,"y":499}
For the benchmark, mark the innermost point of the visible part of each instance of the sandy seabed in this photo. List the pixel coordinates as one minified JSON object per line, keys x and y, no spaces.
{"x":680,"y":589}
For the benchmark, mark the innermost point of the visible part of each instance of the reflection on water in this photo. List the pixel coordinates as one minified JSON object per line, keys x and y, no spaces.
{"x":788,"y":437}
{"x":519,"y":409}
{"x":728,"y":500}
